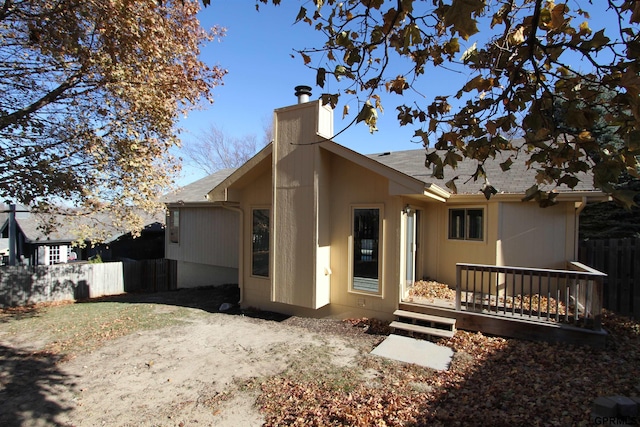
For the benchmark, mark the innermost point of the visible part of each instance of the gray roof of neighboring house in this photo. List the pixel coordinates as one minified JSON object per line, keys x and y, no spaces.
{"x":514,"y":181}
{"x":64,"y":229}
{"x":30,"y":226}
{"x":196,"y":191}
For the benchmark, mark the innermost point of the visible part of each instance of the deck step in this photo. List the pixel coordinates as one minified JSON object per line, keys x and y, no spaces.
{"x":426,"y":330}
{"x":425,"y":317}
{"x":426,"y":324}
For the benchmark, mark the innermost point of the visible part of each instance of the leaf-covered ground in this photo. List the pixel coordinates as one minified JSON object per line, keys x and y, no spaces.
{"x":492,"y":381}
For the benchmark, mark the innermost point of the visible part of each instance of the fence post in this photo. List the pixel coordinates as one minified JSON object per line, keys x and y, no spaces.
{"x":458,"y":287}
{"x":598,"y":293}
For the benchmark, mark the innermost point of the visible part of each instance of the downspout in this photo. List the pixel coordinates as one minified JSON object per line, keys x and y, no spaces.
{"x":579,"y":208}
{"x":240,"y":249}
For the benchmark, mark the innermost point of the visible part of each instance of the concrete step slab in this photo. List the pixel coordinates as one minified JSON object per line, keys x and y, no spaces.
{"x":411,"y":350}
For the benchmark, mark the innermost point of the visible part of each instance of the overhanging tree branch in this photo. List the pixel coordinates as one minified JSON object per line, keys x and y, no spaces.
{"x":52,"y":96}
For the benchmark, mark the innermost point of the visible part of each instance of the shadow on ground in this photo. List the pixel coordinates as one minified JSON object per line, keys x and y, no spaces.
{"x":218,"y":299}
{"x":27,"y":383}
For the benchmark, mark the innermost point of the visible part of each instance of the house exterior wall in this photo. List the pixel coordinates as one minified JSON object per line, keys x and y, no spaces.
{"x":194,"y":275}
{"x":208,"y":246}
{"x":344,"y":185}
{"x":207,"y":236}
{"x":354,"y":186}
{"x":530,"y":236}
{"x":439,"y":254}
{"x":298,"y":172}
{"x":516,"y":234}
{"x":256,"y":195}
{"x":311,"y":189}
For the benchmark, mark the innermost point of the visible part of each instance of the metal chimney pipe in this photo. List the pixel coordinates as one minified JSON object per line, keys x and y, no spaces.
{"x":303,"y":93}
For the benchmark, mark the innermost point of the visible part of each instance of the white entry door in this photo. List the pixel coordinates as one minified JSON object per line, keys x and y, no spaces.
{"x":411,"y":218}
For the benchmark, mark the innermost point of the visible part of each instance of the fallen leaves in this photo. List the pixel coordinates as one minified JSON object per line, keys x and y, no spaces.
{"x":491,"y":381}
{"x":371,"y":326}
{"x":429,"y":289}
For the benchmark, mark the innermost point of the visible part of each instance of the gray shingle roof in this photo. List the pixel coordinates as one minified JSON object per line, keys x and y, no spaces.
{"x":514,"y":181}
{"x":196,"y":191}
{"x":412,"y":163}
{"x":30,"y":223}
{"x":65,"y":227}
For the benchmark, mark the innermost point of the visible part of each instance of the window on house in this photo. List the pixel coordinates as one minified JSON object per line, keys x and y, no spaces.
{"x":366,"y":250}
{"x":174,"y":225}
{"x":260,"y":243}
{"x":466,"y":224}
{"x":54,"y":254}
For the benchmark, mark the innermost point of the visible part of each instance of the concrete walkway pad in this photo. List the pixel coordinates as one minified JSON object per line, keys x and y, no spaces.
{"x":411,"y":350}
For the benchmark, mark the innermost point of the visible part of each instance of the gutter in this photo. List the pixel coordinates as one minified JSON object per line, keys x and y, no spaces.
{"x":240,"y":248}
{"x":438,"y":191}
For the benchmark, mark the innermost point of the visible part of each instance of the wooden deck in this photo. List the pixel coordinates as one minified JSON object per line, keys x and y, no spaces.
{"x":534,"y":304}
{"x":509,"y":326}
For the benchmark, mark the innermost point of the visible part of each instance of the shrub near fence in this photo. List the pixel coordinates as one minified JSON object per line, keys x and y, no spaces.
{"x":620,"y":260}
{"x":20,"y":285}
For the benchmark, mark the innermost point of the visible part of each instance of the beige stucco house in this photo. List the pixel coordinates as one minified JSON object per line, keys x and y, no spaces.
{"x":310,"y":227}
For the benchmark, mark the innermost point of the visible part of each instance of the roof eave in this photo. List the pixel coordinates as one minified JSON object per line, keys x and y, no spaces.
{"x":399,"y":182}
{"x":436,"y":192}
{"x":567,"y":196}
{"x":220,"y":192}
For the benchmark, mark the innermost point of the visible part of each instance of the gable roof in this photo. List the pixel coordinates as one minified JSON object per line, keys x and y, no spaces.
{"x":219,"y":193}
{"x":65,"y":230}
{"x":409,"y":164}
{"x":197,"y":191}
{"x":516,"y":180}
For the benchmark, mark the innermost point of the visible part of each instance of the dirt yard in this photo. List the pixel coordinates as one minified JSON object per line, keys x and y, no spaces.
{"x":198,"y":371}
{"x":172,"y":359}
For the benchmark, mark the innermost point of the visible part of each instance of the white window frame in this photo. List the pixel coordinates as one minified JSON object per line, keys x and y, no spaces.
{"x":381,"y":252}
{"x":54,"y":254}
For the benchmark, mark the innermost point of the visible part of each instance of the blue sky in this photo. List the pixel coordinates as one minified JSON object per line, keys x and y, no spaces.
{"x":257,"y":50}
{"x":262,"y":75}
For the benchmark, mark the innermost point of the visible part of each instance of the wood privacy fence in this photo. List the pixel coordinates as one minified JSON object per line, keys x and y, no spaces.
{"x":23,"y":285}
{"x":620,"y":260}
{"x":154,"y":275}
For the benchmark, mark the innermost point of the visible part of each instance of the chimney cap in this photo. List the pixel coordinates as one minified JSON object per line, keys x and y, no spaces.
{"x":303,"y":93}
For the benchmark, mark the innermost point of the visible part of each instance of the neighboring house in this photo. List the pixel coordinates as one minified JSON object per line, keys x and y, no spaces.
{"x":325,"y":231}
{"x":36,"y":247}
{"x":201,"y":236}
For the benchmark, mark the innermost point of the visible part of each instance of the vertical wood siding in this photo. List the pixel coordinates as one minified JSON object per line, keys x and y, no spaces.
{"x":208,"y":235}
{"x":620,"y":260}
{"x":20,"y":285}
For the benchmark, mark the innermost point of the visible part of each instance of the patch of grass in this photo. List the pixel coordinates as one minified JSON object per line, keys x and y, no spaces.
{"x":313,"y":364}
{"x":71,"y":329}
